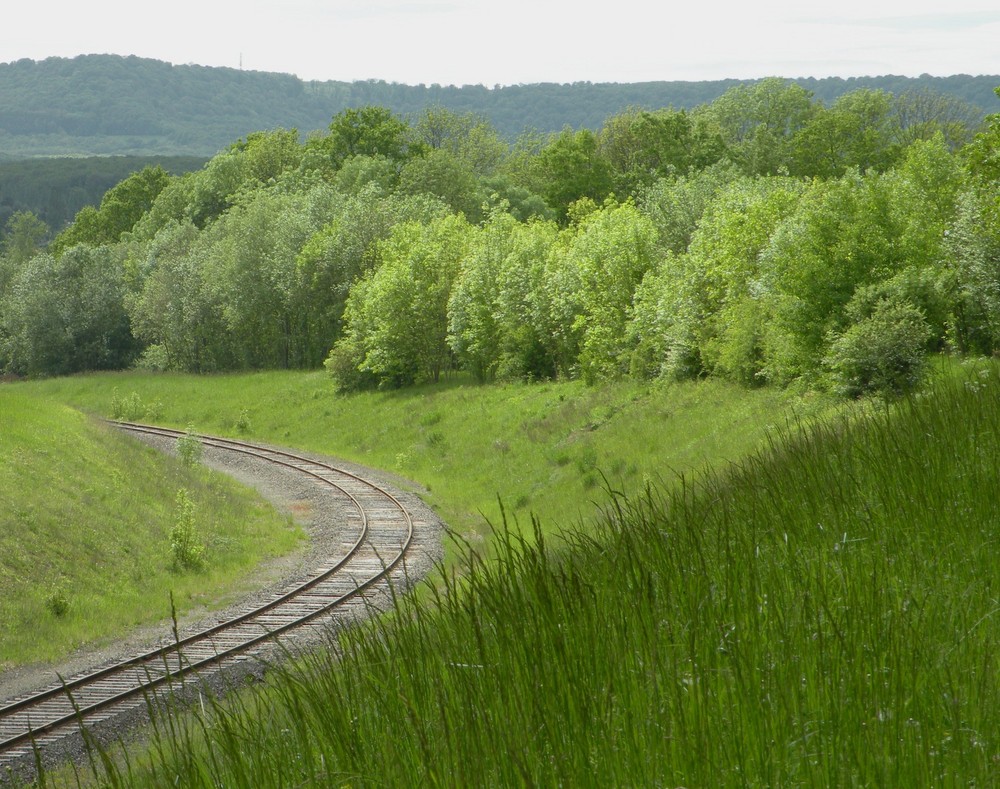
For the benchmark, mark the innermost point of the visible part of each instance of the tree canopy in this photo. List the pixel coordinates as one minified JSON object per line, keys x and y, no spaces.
{"x":766,"y":237}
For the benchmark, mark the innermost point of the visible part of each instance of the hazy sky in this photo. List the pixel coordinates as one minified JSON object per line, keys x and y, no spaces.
{"x":522,"y":41}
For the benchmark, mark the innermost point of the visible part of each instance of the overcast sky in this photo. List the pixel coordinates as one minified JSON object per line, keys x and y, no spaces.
{"x":459,"y":42}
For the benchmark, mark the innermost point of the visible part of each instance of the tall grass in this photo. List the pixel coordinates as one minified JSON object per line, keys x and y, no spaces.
{"x":823,"y":613}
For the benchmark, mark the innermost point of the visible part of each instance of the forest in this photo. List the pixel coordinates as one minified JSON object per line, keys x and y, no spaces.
{"x":54,"y":189}
{"x":763,"y":237}
{"x":112,"y":105}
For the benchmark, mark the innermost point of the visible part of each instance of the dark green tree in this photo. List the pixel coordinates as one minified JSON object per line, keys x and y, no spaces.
{"x":571,"y":167}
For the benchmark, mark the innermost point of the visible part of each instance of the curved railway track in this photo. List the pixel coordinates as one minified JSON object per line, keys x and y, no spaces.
{"x":380,"y":533}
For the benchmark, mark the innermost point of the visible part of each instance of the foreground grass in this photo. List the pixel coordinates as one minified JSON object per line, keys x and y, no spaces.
{"x":543,"y":449}
{"x":820,"y":614}
{"x":85,"y":520}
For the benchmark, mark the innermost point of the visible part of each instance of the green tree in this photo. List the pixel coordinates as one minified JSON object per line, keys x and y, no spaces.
{"x":443,"y":175}
{"x":859,"y":130}
{"x":251,"y":270}
{"x":170,"y":305}
{"x":474,"y":328}
{"x":121,"y":208}
{"x":64,"y":315}
{"x":642,"y":147}
{"x":727,"y":286}
{"x":922,"y":113}
{"x":758,"y":123}
{"x":881,"y":352}
{"x":345,"y":249}
{"x":676,"y":205}
{"x":23,"y":238}
{"x":571,"y":167}
{"x":365,"y":131}
{"x":396,"y":319}
{"x":613,"y":249}
{"x":468,"y":137}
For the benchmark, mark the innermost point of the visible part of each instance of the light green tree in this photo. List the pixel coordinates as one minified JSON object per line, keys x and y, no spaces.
{"x":396,"y":319}
{"x":613,"y":249}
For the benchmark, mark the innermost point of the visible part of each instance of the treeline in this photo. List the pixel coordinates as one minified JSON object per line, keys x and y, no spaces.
{"x":108,"y":105}
{"x":55,"y":189}
{"x":765,"y":237}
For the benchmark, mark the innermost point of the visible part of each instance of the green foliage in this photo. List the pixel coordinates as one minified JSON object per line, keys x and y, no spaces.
{"x":500,"y":318}
{"x":22,"y":239}
{"x":62,"y":315}
{"x":859,"y":130}
{"x":612,"y":250}
{"x":758,"y":123}
{"x":57,"y":600}
{"x":572,"y":167}
{"x":973,"y":247}
{"x":443,"y":175}
{"x":469,"y":137}
{"x":642,"y":147}
{"x":186,"y":552}
{"x":121,"y":208}
{"x":189,"y":448}
{"x":366,"y":131}
{"x":282,"y":254}
{"x":880,"y":353}
{"x":396,"y":319}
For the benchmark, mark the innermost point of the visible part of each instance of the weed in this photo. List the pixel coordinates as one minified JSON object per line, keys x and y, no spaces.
{"x":189,"y":448}
{"x":57,"y":600}
{"x":130,"y":407}
{"x":186,"y":553}
{"x":243,"y":421}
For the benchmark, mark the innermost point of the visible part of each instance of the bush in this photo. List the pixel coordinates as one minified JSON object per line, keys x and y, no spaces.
{"x":130,"y":408}
{"x":189,"y":448}
{"x":57,"y":601}
{"x":883,"y":353}
{"x":185,"y":551}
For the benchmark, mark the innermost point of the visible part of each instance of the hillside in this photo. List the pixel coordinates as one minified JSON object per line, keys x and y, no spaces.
{"x":107,"y":104}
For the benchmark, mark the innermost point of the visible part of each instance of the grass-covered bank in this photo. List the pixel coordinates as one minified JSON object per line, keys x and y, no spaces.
{"x":543,"y":449}
{"x":819,"y":614}
{"x":86,"y":516}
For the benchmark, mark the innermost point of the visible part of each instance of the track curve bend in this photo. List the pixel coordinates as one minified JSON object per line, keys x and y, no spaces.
{"x":376,"y":537}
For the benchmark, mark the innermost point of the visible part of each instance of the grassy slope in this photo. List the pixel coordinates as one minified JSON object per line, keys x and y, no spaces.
{"x":86,"y":513}
{"x":542,"y":449}
{"x":821,"y":614}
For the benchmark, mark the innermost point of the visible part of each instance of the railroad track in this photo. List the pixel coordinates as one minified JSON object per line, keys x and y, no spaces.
{"x":380,"y":532}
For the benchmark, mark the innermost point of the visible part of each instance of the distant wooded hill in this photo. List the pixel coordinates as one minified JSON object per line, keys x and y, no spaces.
{"x":113,"y":105}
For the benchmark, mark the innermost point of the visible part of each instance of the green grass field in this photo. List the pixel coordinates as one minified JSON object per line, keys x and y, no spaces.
{"x":543,"y":449}
{"x":85,"y":521}
{"x":775,"y":591}
{"x":821,"y":613}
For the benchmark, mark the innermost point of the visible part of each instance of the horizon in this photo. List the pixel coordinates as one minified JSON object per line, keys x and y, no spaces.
{"x":461,"y":42}
{"x":241,"y":68}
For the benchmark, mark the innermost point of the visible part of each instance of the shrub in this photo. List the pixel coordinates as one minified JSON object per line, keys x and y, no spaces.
{"x":186,"y":552}
{"x":883,"y":353}
{"x":189,"y":448}
{"x":57,"y":601}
